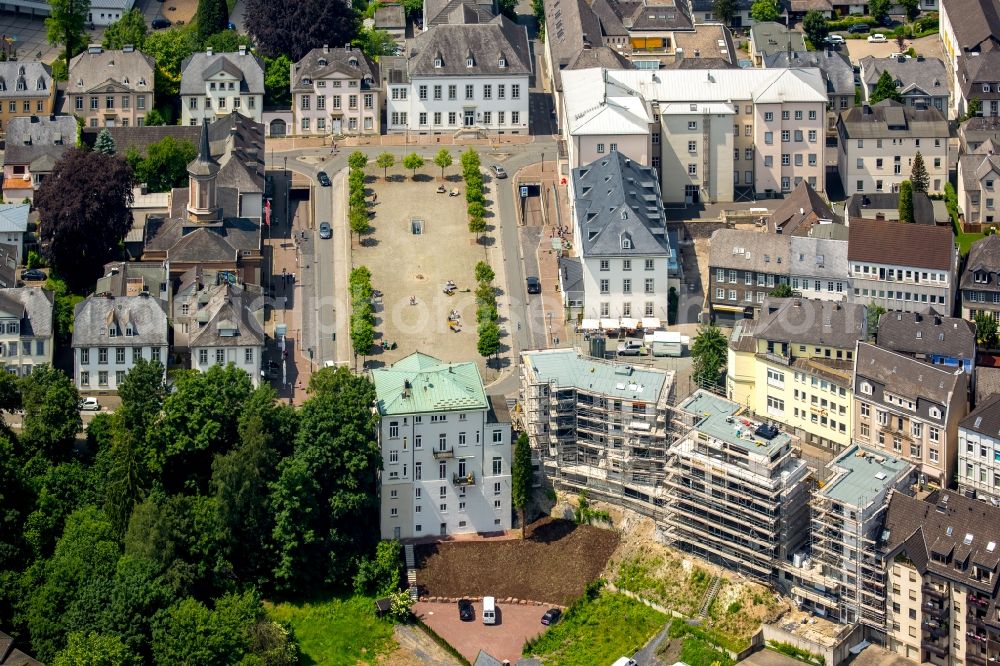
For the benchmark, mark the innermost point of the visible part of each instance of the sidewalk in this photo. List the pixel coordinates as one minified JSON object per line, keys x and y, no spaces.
{"x":287,"y":143}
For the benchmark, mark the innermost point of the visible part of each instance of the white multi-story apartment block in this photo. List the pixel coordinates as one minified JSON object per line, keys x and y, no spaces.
{"x":877,"y":145}
{"x":215,"y":84}
{"x":628,"y":261}
{"x":336,"y":91}
{"x":979,"y":451}
{"x":901,"y":266}
{"x":712,"y":134}
{"x":26,"y":333}
{"x":461,"y":76}
{"x":446,"y":450}
{"x":599,"y":426}
{"x":110,"y":334}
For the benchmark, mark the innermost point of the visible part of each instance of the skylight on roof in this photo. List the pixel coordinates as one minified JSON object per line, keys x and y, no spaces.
{"x":968,"y":539}
{"x":991,"y":546}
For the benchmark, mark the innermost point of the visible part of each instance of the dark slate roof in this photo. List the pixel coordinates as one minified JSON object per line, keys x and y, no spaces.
{"x":31,"y":72}
{"x":570,"y":26}
{"x":33,"y":305}
{"x":973,"y":72}
{"x":438,"y":12}
{"x":837,"y":70}
{"x":976,"y":23}
{"x":984,"y":257}
{"x":31,"y":138}
{"x":602,"y":56}
{"x":94,"y":315}
{"x":326,"y":63}
{"x":619,"y":17}
{"x":8,"y":266}
{"x":571,"y":270}
{"x":985,"y":418}
{"x":123,"y":278}
{"x":978,"y":129}
{"x":95,"y":68}
{"x":909,"y":377}
{"x":901,"y":244}
{"x":226,"y":307}
{"x":796,"y":214}
{"x":890,"y":119}
{"x":812,"y":322}
{"x":953,"y":527}
{"x":616,"y":196}
{"x":864,"y":206}
{"x":922,"y":333}
{"x":750,"y":250}
{"x":198,"y":67}
{"x":484,"y":42}
{"x":912,"y":75}
{"x":140,"y":138}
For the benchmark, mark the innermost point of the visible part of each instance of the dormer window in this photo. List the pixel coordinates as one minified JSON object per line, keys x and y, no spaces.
{"x":79,"y":83}
{"x":308,"y":82}
{"x":20,"y":70}
{"x":125,"y":81}
{"x":438,"y":63}
{"x":934,"y":412}
{"x":142,"y":82}
{"x":982,"y":277}
{"x":353,"y":62}
{"x":3,"y":84}
{"x":20,"y":84}
{"x":502,"y":63}
{"x":112,"y":332}
{"x":626,"y":239}
{"x":129,"y":331}
{"x":470,"y":62}
{"x":866,"y":388}
{"x":321,"y":62}
{"x":40,"y":84}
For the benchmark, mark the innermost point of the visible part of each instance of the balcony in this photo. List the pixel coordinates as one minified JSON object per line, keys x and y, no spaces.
{"x":467,"y":480}
{"x":444,"y":454}
{"x":933,"y":591}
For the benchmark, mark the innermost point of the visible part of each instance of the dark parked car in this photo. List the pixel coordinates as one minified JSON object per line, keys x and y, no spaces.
{"x":230,"y":26}
{"x":159,"y":23}
{"x":325,"y":231}
{"x":323,"y":179}
{"x":534,"y":285}
{"x":551,"y":616}
{"x":466,"y":613}
{"x":859,"y":29}
{"x":33,"y":274}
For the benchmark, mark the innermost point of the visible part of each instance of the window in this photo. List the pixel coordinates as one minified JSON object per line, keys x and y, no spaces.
{"x":102,"y":378}
{"x":785,"y":135}
{"x":626,"y":286}
{"x":648,"y":265}
{"x":768,"y":116}
{"x":769,"y":138}
{"x":487,"y":91}
{"x":812,"y":115}
{"x":600,"y":148}
{"x":692,"y":146}
{"x":785,"y":159}
{"x":649,"y":289}
{"x":120,"y":355}
{"x":497,"y":466}
{"x":692,"y":169}
{"x":605,"y":286}
{"x":784,"y":115}
{"x":798,"y":115}
{"x":442,"y":470}
{"x":102,"y":355}
{"x":693,"y":125}
{"x":515,"y":91}
{"x":515,"y":117}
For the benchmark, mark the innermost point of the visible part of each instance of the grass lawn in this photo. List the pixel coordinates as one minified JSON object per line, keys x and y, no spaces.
{"x":598,"y":631}
{"x":338,"y":631}
{"x":965,"y":241}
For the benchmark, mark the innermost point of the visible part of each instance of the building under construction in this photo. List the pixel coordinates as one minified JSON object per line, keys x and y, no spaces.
{"x":842,"y":576}
{"x":737,"y":495}
{"x":599,"y":426}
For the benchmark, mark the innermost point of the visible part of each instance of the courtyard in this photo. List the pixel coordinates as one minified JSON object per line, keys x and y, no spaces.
{"x":417,"y":241}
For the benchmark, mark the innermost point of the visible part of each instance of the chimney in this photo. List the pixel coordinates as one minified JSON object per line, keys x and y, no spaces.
{"x":802,"y":211}
{"x":678,"y":54}
{"x":128,"y":48}
{"x":326,"y":48}
{"x":208,"y":51}
{"x":243,"y":49}
{"x":34,"y":119}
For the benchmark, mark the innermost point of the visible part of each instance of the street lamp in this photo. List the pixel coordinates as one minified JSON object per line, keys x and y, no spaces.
{"x":288,"y":188}
{"x":549,"y":315}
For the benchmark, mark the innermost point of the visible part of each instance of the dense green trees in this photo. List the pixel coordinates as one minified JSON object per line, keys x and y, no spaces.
{"x":164,"y":166}
{"x":151,"y":539}
{"x":905,"y":201}
{"x":708,"y":350}
{"x":885,"y":88}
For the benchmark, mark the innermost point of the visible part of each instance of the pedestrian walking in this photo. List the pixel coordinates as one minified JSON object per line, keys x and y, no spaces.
{"x":374,"y":197}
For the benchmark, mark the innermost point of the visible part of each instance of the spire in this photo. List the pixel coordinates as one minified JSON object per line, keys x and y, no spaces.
{"x":204,"y":164}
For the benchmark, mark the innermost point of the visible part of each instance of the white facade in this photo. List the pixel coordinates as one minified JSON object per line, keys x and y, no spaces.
{"x":445,"y":104}
{"x":626,"y":287}
{"x":880,"y":165}
{"x":26,"y":337}
{"x":223,"y":91}
{"x":245,"y":358}
{"x":902,"y":288}
{"x":443,"y":474}
{"x":101,"y":12}
{"x":104,"y":368}
{"x":696,"y":152}
{"x":979,"y":453}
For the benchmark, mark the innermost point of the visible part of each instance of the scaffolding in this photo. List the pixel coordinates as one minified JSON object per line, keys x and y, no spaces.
{"x":611,"y":445}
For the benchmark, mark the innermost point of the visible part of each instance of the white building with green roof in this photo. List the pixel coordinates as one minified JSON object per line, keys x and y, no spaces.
{"x":446,"y":450}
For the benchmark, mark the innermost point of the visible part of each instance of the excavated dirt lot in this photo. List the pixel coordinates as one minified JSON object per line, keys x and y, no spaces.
{"x":554,"y":564}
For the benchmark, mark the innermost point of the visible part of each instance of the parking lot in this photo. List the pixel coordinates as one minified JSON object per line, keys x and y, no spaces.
{"x":504,"y":641}
{"x":413,"y":263}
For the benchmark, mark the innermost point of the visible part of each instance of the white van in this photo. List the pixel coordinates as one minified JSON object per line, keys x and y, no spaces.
{"x":624,"y":661}
{"x":489,"y":610}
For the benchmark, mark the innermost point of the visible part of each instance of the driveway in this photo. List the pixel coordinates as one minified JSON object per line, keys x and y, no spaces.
{"x":929,"y":46}
{"x":503,"y":641}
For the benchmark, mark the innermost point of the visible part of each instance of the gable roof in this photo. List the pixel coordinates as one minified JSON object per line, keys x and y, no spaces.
{"x":33,"y":306}
{"x":439,"y":12}
{"x":602,"y":56}
{"x":618,"y":198}
{"x":912,"y":75}
{"x":198,"y":67}
{"x":985,"y":418}
{"x":811,"y":256}
{"x":927,"y":333}
{"x":837,"y":70}
{"x":147,"y":315}
{"x":31,"y":138}
{"x":420,"y":383}
{"x":976,"y":24}
{"x":485,"y":43}
{"x":29,"y":72}
{"x":886,"y":204}
{"x":901,"y":244}
{"x":324,"y":63}
{"x":122,"y":70}
{"x":799,"y":211}
{"x":984,"y":256}
{"x":812,"y":322}
{"x":227,"y":307}
{"x":891,"y":119}
{"x":570,"y":26}
{"x":769,"y":37}
{"x":907,"y":376}
{"x":750,"y":251}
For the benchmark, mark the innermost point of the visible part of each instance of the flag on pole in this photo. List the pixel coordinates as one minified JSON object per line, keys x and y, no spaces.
{"x":267,"y":212}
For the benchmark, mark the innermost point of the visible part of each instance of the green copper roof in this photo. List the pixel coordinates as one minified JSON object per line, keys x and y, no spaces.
{"x":421,"y":384}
